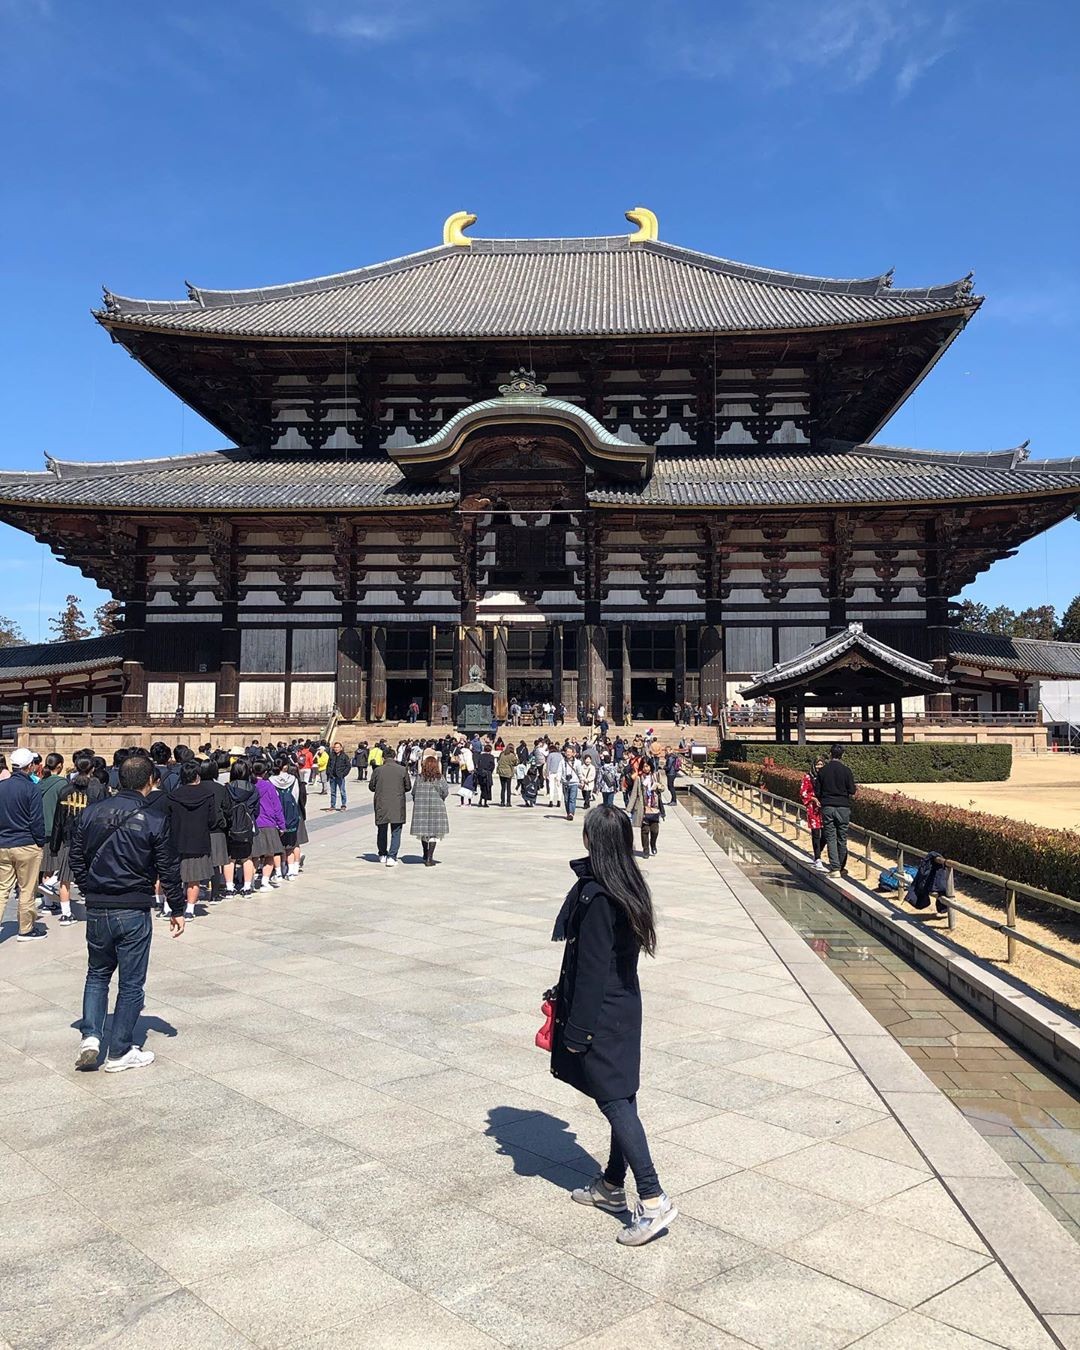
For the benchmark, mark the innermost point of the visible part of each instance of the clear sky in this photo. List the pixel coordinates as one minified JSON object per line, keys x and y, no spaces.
{"x":260,"y":141}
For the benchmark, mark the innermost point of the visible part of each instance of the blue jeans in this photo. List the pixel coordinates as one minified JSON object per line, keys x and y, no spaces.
{"x":395,"y":839}
{"x":337,"y":785}
{"x":115,"y":938}
{"x":570,"y":797}
{"x":609,"y":798}
{"x":629,"y":1147}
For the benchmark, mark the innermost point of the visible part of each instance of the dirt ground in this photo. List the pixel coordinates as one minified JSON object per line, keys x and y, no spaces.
{"x":1043,"y":789}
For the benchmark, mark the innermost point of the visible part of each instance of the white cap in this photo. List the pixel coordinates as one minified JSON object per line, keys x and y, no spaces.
{"x":22,"y":758}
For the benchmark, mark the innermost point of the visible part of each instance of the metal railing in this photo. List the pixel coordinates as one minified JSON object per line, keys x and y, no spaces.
{"x":778,"y":813}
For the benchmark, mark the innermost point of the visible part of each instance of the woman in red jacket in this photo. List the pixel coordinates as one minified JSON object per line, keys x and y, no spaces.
{"x":809,"y":798}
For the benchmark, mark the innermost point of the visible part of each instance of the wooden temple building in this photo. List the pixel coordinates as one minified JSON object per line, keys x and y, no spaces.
{"x":605,"y":470}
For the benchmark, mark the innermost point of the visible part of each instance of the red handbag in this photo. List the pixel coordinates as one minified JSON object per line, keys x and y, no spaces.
{"x":547,"y":1031}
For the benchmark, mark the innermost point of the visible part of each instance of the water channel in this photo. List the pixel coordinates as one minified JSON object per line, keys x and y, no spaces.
{"x":1030,"y":1117}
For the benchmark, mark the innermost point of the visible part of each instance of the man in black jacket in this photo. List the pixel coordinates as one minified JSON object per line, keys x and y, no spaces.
{"x":836,"y":787}
{"x":121,"y":848}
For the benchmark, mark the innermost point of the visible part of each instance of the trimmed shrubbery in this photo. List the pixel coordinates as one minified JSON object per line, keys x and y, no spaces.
{"x":1048,"y":859}
{"x":913,"y":762}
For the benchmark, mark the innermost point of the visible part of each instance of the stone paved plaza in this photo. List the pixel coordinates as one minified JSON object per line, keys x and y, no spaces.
{"x":348,"y":1138}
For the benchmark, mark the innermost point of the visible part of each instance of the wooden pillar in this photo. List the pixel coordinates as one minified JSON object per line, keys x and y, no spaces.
{"x":498,"y":670}
{"x":711,"y":657}
{"x":679,"y":673}
{"x":592,"y":667}
{"x":133,"y":699}
{"x":228,"y":685}
{"x":865,"y":719}
{"x":898,"y":721}
{"x":626,"y":711}
{"x":877,"y":723}
{"x":778,"y":718}
{"x":350,"y":691}
{"x":561,"y":692}
{"x":800,"y":713}
{"x":469,"y":651}
{"x":377,"y":673}
{"x":442,"y":680}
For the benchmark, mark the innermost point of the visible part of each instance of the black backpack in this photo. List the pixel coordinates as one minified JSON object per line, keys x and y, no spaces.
{"x":241,"y":818}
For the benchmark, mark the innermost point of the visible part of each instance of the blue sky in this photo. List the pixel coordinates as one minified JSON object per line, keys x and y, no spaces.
{"x":267,"y":140}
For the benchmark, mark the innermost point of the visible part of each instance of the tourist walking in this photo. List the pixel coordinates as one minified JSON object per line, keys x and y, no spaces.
{"x":122,"y":847}
{"x":506,"y":770}
{"x":646,"y":807}
{"x":429,"y":819}
{"x":570,"y":778}
{"x":606,"y":921}
{"x":836,"y":788}
{"x":338,"y":771}
{"x":322,"y":763}
{"x":808,"y":795}
{"x":553,"y":770}
{"x":22,"y":837}
{"x":389,"y":783}
{"x":672,"y":765}
{"x":485,"y":774}
{"x":607,"y":779}
{"x":360,"y":761}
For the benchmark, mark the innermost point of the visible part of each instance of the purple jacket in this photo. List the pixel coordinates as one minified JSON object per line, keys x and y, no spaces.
{"x":270,"y":816}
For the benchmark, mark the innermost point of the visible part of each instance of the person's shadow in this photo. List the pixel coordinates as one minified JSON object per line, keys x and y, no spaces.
{"x":539,"y":1143}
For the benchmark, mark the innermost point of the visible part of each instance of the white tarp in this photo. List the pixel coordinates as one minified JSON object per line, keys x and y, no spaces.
{"x":1060,"y":702}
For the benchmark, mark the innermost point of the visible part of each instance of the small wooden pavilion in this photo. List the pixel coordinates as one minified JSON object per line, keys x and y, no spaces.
{"x":849,"y":670}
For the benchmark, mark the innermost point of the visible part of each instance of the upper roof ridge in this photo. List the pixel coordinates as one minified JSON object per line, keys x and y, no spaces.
{"x":203,"y":297}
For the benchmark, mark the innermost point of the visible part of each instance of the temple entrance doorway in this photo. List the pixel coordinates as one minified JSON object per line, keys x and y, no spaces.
{"x":400,"y":693}
{"x":652,"y":697}
{"x":533,"y":688}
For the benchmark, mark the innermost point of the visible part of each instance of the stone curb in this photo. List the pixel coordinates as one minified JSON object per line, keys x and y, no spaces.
{"x":1032,"y":1247}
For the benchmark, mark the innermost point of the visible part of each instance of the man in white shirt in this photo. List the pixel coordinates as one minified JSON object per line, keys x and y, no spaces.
{"x":553,"y":769}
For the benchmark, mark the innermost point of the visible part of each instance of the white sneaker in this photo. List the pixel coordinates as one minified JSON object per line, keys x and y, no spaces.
{"x":819,"y":866}
{"x":134,"y":1059}
{"x":391,"y":862}
{"x":648,"y":1222}
{"x":89,"y":1048}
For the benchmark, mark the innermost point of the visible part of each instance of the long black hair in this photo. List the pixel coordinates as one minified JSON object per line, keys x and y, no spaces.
{"x":609,"y":837}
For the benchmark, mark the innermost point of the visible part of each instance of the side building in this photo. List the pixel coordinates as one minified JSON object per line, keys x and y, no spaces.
{"x":609,"y":469}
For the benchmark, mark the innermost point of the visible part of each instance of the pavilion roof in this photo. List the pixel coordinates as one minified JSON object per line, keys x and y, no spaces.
{"x":851,"y":649}
{"x":1024,"y":656}
{"x":506,"y":288}
{"x":47,"y":659}
{"x":734,"y":477}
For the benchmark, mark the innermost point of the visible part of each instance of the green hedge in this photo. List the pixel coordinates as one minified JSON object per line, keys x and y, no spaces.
{"x":1049,"y":859}
{"x":912,"y":762}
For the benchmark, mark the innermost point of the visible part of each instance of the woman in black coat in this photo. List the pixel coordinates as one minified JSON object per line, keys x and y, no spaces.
{"x":607,"y":920}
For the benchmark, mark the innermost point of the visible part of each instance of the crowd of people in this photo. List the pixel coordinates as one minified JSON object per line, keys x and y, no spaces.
{"x":166,"y":827}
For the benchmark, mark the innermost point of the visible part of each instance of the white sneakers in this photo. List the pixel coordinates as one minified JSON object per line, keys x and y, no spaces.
{"x":89,"y":1049}
{"x":390,"y":862}
{"x":134,"y":1059}
{"x":819,"y":866}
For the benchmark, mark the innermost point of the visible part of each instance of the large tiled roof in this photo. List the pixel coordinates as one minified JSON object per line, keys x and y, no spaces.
{"x":735,"y":477}
{"x":492,"y":288}
{"x":819,"y":657}
{"x":806,"y":476}
{"x":1028,"y":656}
{"x":46,"y":659}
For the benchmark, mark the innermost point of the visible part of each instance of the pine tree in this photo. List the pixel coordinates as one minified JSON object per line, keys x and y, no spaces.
{"x":972,"y":616}
{"x":70,"y":624}
{"x":108,"y":616}
{"x":11,"y":635}
{"x":1069,"y":631}
{"x":1040,"y":621}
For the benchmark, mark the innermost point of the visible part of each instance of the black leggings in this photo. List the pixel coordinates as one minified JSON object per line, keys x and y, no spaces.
{"x":650,"y":832}
{"x":817,"y":839}
{"x":505,"y":784}
{"x":629,"y":1147}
